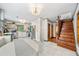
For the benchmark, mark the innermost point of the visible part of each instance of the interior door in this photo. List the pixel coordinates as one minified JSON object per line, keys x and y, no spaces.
{"x":52,"y":31}
{"x":78,"y":28}
{"x":48,"y":31}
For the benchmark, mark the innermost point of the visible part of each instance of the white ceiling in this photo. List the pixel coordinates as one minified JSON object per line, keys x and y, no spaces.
{"x":49,"y":10}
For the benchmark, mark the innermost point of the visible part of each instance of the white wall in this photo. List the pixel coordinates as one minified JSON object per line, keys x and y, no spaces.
{"x":41,"y":29}
{"x":75,"y":28}
{"x":37,"y":23}
{"x":54,"y":29}
{"x":66,"y":15}
{"x":44,"y":29}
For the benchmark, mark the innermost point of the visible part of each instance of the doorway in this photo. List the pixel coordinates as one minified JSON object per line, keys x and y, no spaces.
{"x":51,"y":33}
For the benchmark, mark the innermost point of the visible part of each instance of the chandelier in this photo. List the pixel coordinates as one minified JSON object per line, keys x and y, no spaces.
{"x":36,"y":9}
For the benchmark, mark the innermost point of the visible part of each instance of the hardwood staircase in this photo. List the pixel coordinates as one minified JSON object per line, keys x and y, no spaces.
{"x":66,"y":35}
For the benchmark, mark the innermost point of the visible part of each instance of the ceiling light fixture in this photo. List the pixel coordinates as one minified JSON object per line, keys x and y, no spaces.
{"x":36,"y":9}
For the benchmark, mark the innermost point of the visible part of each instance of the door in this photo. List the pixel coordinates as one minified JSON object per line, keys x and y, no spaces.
{"x":52,"y":31}
{"x":48,"y":31}
{"x":78,"y":27}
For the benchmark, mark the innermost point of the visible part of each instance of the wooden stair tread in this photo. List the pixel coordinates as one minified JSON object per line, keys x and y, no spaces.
{"x":67,"y":40}
{"x":67,"y":43}
{"x":70,"y":46}
{"x":65,"y":33}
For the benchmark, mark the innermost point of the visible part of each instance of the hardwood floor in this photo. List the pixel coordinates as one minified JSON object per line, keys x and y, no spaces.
{"x":52,"y":39}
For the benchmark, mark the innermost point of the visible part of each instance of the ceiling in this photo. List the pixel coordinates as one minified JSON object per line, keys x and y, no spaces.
{"x":49,"y":10}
